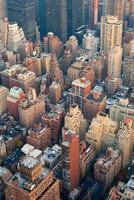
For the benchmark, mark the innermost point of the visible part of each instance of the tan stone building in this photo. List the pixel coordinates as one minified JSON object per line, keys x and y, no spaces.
{"x":75,"y":121}
{"x":126,"y":141}
{"x":108,"y":166}
{"x":114,"y":62}
{"x":102,"y":132}
{"x":3,"y":95}
{"x":111,"y":33}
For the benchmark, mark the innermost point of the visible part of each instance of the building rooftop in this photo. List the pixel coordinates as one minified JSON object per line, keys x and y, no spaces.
{"x":51,"y":155}
{"x":3,"y":171}
{"x":29,"y":162}
{"x":81,"y":82}
{"x":16,"y":92}
{"x":14,"y":157}
{"x":27,"y":148}
{"x":26,"y":184}
{"x":130,"y":184}
{"x":108,"y":159}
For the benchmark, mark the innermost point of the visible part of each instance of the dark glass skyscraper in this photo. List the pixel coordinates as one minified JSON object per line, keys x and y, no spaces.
{"x":23,"y":12}
{"x":53,"y":17}
{"x":74,"y":15}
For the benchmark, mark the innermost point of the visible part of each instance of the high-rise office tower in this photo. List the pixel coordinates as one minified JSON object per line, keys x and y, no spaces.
{"x":16,"y":37}
{"x":85,"y":11}
{"x":111,"y":33}
{"x":74,"y":15}
{"x":70,"y":160}
{"x":108,"y":7}
{"x":93,"y":12}
{"x":119,"y":9}
{"x":23,"y":12}
{"x":114,"y":7}
{"x":114,"y":62}
{"x":3,"y":9}
{"x":52,"y":44}
{"x":53,"y":17}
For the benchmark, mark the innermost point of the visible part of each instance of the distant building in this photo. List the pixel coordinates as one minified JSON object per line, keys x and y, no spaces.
{"x":114,"y":7}
{"x":109,"y":37}
{"x":16,"y":37}
{"x":90,"y":43}
{"x":52,"y":44}
{"x":74,"y":15}
{"x":55,"y":73}
{"x":53,"y":17}
{"x":81,"y":69}
{"x":24,"y":15}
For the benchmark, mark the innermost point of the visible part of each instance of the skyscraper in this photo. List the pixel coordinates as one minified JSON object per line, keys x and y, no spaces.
{"x":53,"y":17}
{"x":114,"y":7}
{"x":74,"y":15}
{"x":70,"y":160}
{"x":3,"y":9}
{"x":93,"y":12}
{"x":111,"y":33}
{"x":23,"y":12}
{"x":114,"y":62}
